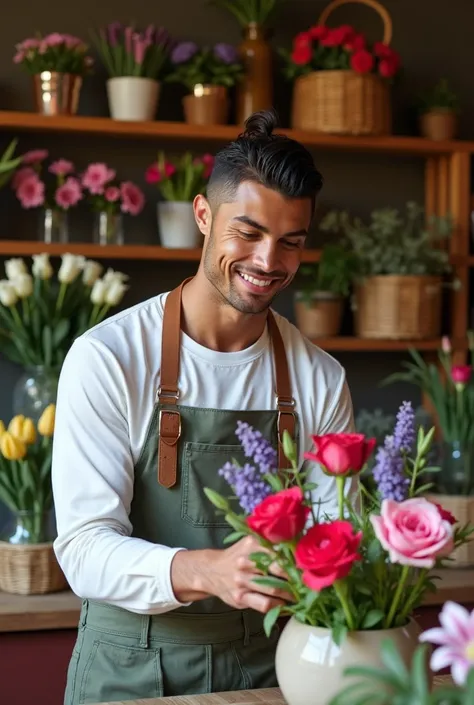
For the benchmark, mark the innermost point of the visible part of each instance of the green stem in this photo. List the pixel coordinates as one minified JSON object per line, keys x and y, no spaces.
{"x":414,"y":594}
{"x":340,"y":481}
{"x":16,"y":316}
{"x":397,"y":596}
{"x":340,"y":590}
{"x":61,"y":295}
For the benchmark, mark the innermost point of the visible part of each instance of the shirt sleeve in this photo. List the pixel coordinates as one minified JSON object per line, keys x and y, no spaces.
{"x":92,"y":476}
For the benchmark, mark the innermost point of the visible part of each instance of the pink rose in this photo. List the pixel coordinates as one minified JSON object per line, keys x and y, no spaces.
{"x":413,"y":532}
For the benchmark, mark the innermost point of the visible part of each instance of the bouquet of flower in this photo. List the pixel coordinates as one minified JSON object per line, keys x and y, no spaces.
{"x":183,"y":179}
{"x":365,"y":569}
{"x":41,"y":315}
{"x":341,"y":48}
{"x":8,"y":163}
{"x":61,"y":53}
{"x":105,"y":193}
{"x":250,"y":11}
{"x":25,"y":469}
{"x":126,"y":51}
{"x":61,"y":192}
{"x":219,"y":66}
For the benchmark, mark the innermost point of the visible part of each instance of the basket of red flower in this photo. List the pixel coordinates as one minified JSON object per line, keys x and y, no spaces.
{"x":342,"y":82}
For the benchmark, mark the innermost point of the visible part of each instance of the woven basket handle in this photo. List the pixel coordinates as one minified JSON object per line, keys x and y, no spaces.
{"x":386,"y":19}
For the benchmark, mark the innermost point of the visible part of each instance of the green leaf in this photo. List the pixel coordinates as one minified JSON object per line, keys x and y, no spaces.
{"x":339,"y":633}
{"x":372,"y":618}
{"x":374,"y":551}
{"x":234,"y":536}
{"x":47,"y":345}
{"x":275,"y":482}
{"x":310,"y":599}
{"x":277,"y":583}
{"x":363,"y":589}
{"x":270,"y":619}
{"x":61,"y":331}
{"x":217,"y":499}
{"x":261,"y":558}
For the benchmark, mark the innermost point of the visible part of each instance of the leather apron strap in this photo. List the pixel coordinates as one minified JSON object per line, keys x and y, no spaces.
{"x":169,"y":420}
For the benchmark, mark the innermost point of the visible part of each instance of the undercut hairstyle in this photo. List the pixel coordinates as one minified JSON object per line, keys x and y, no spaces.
{"x":272,"y":160}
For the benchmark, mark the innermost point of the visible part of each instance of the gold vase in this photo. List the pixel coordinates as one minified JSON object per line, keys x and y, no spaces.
{"x":206,"y":105}
{"x":255,"y":90}
{"x":56,"y":93}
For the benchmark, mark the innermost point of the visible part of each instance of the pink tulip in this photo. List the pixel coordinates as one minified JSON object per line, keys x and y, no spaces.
{"x":133,"y":199}
{"x":445,"y":344}
{"x":455,"y":638}
{"x":152,"y":174}
{"x":170,"y":169}
{"x":461,"y":374}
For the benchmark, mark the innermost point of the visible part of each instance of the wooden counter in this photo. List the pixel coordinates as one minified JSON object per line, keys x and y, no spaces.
{"x":61,"y":610}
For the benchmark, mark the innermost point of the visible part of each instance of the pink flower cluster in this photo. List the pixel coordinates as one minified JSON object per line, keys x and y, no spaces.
{"x":41,"y":45}
{"x":30,"y":189}
{"x":98,"y":180}
{"x":154,"y":175}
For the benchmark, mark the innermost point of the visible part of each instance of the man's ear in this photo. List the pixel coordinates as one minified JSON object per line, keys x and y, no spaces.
{"x":202,"y":213}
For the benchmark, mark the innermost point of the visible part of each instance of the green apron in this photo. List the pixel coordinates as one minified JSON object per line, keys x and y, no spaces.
{"x":207,"y":646}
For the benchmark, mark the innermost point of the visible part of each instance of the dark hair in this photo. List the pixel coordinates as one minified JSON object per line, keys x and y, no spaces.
{"x":273,"y":160}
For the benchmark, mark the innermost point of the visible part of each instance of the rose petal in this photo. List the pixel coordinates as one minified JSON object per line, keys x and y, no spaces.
{"x":319,"y":581}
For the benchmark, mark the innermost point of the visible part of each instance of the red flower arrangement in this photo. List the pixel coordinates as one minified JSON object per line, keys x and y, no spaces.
{"x":341,"y":48}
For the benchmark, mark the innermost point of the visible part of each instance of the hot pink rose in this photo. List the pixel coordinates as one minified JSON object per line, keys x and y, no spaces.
{"x":341,"y":453}
{"x":413,"y":532}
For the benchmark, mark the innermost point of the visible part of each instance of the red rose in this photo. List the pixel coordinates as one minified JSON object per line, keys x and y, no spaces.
{"x":362,"y":61}
{"x":382,"y":50}
{"x":326,"y":553}
{"x":387,"y":68}
{"x":461,"y":374}
{"x":280,"y":517}
{"x":301,"y":55}
{"x":318,"y":32}
{"x":341,"y":453}
{"x":303,"y":39}
{"x":445,"y":515}
{"x":336,"y":37}
{"x":355,"y":43}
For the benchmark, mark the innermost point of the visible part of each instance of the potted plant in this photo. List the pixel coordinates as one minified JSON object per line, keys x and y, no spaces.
{"x":110,"y":199}
{"x":341,"y":81}
{"x":319,"y":301}
{"x":54,"y":190}
{"x":179,"y":182}
{"x":255,"y":90}
{"x":450,"y":389}
{"x":438,"y":110}
{"x":354,"y":574}
{"x":207,"y":73}
{"x":42,"y":314}
{"x":58,"y":64}
{"x":136,"y":63}
{"x":8,"y":163}
{"x":399,"y":268}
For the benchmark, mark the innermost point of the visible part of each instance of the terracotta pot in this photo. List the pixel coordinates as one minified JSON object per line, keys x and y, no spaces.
{"x":321,"y":317}
{"x":206,"y":105}
{"x":255,"y":91}
{"x":439,"y":125}
{"x":310,"y":666}
{"x":56,"y":93}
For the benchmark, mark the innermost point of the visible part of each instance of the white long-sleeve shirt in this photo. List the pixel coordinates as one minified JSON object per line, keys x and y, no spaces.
{"x":106,"y":395}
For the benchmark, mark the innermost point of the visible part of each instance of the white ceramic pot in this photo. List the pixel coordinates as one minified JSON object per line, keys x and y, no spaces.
{"x":310,"y":666}
{"x":177,"y":225}
{"x":133,"y":98}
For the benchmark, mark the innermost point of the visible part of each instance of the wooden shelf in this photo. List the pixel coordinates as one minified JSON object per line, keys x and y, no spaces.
{"x":33,"y":122}
{"x":343,"y":344}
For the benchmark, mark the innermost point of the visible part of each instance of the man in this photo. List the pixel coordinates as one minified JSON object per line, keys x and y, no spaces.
{"x":148,"y":405}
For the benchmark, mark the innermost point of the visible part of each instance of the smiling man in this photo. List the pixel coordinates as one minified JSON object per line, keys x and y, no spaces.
{"x":148,"y":405}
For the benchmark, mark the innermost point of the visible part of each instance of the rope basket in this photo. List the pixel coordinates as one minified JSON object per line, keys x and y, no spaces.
{"x":344,"y":102}
{"x":30,"y":569}
{"x":398,"y":307}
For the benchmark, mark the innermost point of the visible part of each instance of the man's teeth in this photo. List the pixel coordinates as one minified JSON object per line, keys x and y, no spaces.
{"x":257,"y":282}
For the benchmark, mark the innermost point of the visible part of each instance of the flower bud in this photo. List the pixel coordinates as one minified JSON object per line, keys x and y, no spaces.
{"x":92,"y":271}
{"x":23,"y":285}
{"x":70,"y":267}
{"x":42,"y":268}
{"x":8,"y":295}
{"x":11,"y":448}
{"x":98,"y":292}
{"x":47,"y":419}
{"x":23,"y":429}
{"x":14,"y":267}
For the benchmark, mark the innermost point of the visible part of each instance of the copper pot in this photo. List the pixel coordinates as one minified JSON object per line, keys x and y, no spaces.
{"x":255,"y":90}
{"x":206,"y":105}
{"x":439,"y":125}
{"x":56,"y":93}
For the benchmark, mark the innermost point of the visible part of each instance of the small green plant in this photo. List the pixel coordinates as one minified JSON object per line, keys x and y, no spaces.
{"x":333,"y":273}
{"x":8,"y":163}
{"x":392,"y":244}
{"x":440,"y":97}
{"x":249,"y":11}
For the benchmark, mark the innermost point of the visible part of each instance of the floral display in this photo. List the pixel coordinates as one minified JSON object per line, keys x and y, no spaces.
{"x":219,"y":65}
{"x":126,"y":51}
{"x":41,"y":314}
{"x":340,"y":48}
{"x":105,"y":193}
{"x":57,"y":187}
{"x":181,"y":179}
{"x":55,"y":52}
{"x":250,"y":11}
{"x":366,"y":568}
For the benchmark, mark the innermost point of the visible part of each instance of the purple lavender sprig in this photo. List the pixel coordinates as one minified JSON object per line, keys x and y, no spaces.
{"x":389,"y":469}
{"x":255,"y":446}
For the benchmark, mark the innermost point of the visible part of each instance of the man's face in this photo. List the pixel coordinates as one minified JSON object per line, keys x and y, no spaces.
{"x":254,"y":245}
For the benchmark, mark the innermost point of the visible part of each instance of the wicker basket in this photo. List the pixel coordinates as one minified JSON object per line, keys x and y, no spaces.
{"x":399,"y":307}
{"x":30,"y":569}
{"x":322,"y":318}
{"x":344,"y":102}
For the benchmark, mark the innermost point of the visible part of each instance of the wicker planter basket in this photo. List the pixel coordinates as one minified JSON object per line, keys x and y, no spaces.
{"x":399,"y":307}
{"x":30,"y":569}
{"x":322,"y":318}
{"x":344,"y":102}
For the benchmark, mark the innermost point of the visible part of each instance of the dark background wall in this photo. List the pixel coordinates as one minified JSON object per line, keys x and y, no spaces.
{"x":433,"y":38}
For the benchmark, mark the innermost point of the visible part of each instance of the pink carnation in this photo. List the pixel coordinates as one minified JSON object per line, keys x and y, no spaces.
{"x":112,"y":194}
{"x":30,"y":193}
{"x":20,"y":175}
{"x":413,"y":532}
{"x":133,"y":199}
{"x":96,"y":177}
{"x":61,"y":167}
{"x":35,"y":156}
{"x":69,"y":194}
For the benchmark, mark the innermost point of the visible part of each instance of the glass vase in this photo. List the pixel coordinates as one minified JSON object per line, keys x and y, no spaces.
{"x":456,"y":476}
{"x":35,"y":390}
{"x":27,"y":527}
{"x":108,"y":228}
{"x":54,"y":225}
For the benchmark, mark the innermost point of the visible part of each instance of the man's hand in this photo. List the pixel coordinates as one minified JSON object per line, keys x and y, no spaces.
{"x":227,"y":574}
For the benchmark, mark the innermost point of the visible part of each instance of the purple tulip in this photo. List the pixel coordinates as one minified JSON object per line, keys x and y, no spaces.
{"x":183,"y":52}
{"x":226,"y":53}
{"x":128,"y":40}
{"x":113,"y":32}
{"x":150,"y":33}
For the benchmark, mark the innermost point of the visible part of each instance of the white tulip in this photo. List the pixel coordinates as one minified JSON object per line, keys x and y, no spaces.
{"x":42,"y":268}
{"x":23,"y":285}
{"x":70,"y":267}
{"x":112,"y":276}
{"x":14,"y":267}
{"x":115,"y":292}
{"x":92,"y":271}
{"x":98,"y":292}
{"x":8,"y":295}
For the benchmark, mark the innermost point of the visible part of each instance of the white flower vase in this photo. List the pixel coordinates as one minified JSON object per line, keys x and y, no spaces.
{"x":177,"y":225}
{"x":310,"y":666}
{"x":133,"y":98}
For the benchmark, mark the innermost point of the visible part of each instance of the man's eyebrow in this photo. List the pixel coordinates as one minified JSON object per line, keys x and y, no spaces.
{"x":253,"y":224}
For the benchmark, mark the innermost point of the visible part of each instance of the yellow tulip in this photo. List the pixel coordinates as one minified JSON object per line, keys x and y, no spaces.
{"x":12,"y":448}
{"x":2,"y":428}
{"x":23,"y":429}
{"x":46,"y":422}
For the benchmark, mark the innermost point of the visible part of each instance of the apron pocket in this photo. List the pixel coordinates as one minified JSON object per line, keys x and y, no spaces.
{"x":201,"y":465}
{"x":120,"y":672}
